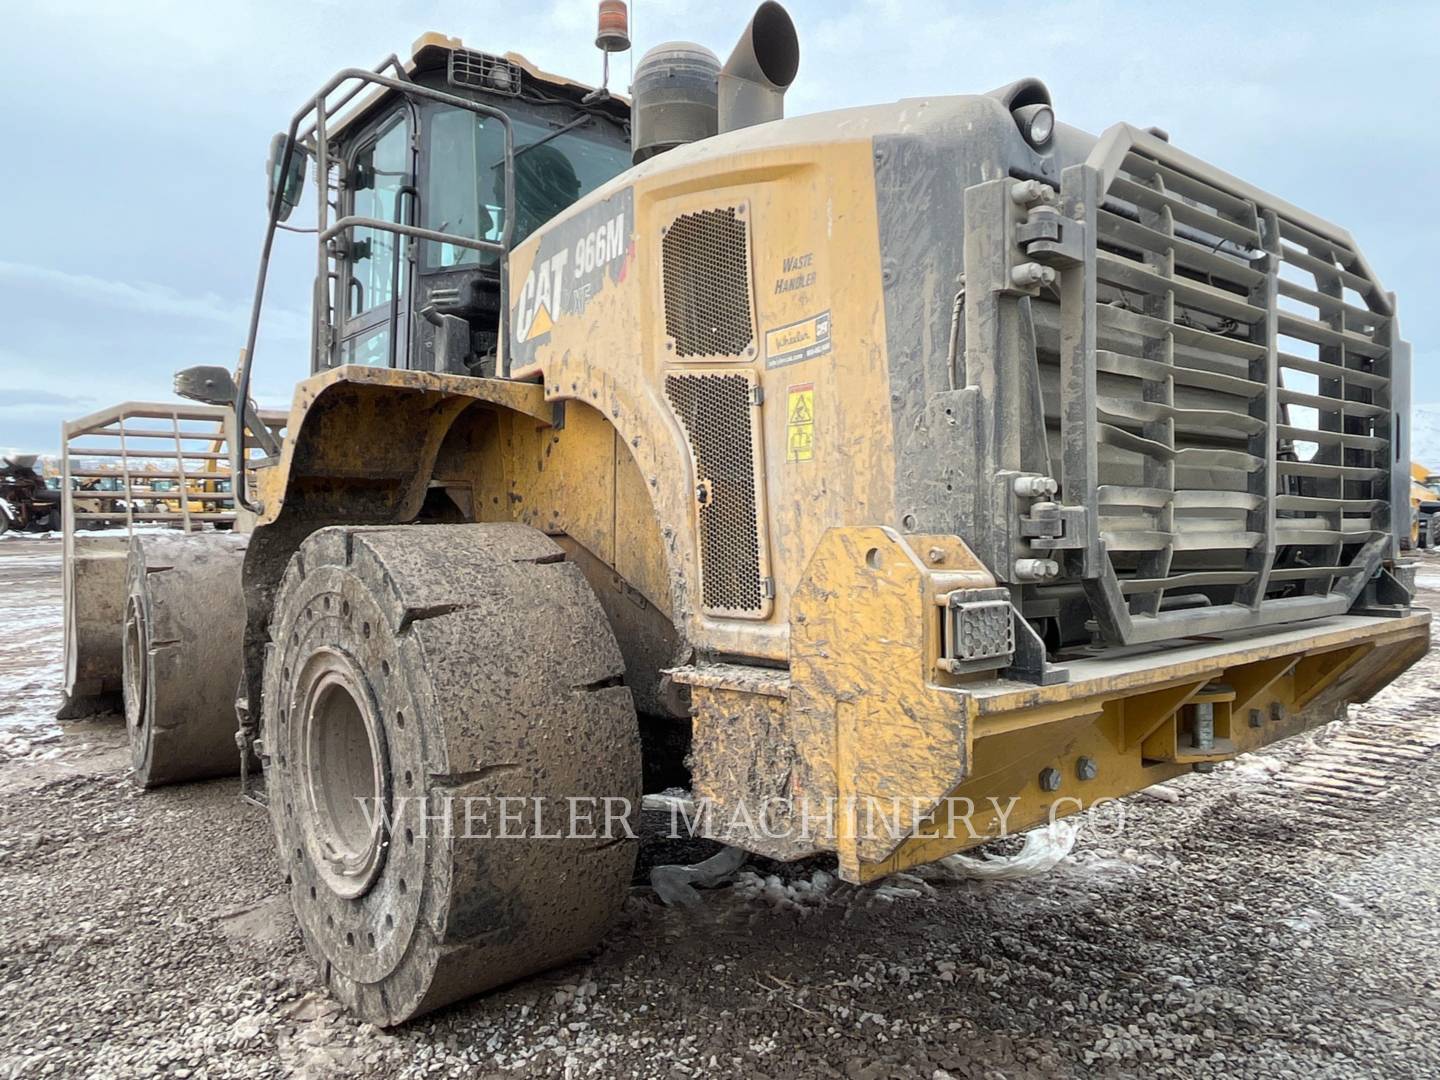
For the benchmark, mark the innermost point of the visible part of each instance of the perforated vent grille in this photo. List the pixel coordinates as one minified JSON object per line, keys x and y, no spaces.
{"x":716,"y":412}
{"x":706,"y":262}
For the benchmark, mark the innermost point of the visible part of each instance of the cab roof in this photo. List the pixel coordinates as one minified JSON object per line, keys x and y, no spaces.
{"x":431,"y":52}
{"x":432,"y":48}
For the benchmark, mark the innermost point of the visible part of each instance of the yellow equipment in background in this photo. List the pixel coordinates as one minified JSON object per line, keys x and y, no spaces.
{"x":1424,"y":503}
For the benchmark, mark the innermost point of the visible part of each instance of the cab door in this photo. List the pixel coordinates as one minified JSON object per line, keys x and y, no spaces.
{"x":375,"y":330}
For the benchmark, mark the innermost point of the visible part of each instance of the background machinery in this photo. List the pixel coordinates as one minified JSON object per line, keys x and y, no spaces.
{"x":1424,"y":504}
{"x":120,"y":469}
{"x":894,"y":477}
{"x":27,"y":503}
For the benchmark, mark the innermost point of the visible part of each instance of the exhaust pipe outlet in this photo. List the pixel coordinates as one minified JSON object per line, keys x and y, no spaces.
{"x":760,"y":69}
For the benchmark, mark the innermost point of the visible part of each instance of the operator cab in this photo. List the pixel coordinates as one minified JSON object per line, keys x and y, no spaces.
{"x":399,"y":300}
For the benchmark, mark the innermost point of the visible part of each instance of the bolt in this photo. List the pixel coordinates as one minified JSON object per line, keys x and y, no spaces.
{"x":1086,"y":769}
{"x":935,"y":555}
{"x":1049,"y":778}
{"x":1036,"y":569}
{"x":1027,"y":192}
{"x":1035,"y":487}
{"x":1030,"y":274}
{"x":1203,"y":766}
{"x":1202,"y":717}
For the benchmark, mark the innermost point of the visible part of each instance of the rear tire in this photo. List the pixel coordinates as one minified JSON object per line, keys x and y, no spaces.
{"x":184,"y":626}
{"x":438,"y":668}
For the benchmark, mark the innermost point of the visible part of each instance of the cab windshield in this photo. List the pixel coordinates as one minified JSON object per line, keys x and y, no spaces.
{"x":465,"y":187}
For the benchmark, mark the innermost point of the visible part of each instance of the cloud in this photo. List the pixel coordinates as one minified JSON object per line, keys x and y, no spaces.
{"x":16,"y":398}
{"x":149,"y":298}
{"x":1252,"y":88}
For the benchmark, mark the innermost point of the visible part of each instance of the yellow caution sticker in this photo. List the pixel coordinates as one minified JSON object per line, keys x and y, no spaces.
{"x":800,"y":422}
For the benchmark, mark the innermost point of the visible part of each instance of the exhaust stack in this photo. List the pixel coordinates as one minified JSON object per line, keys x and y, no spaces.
{"x":760,"y":69}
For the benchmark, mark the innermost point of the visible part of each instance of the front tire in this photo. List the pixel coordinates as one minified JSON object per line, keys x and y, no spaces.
{"x":431,"y":671}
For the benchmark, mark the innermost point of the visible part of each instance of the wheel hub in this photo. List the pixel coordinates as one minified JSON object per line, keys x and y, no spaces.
{"x":342,"y":768}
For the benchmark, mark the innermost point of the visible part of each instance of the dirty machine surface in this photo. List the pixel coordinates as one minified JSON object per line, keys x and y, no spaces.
{"x":888,"y":478}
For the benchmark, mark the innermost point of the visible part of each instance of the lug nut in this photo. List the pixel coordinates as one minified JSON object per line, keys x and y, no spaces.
{"x":1049,"y":778}
{"x":1086,"y":769}
{"x":1036,"y":569}
{"x":935,"y":555}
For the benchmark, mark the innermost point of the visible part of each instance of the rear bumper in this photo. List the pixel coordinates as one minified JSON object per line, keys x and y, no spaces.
{"x":868,"y":748}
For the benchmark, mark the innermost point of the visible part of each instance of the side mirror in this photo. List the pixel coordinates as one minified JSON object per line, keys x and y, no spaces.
{"x":293,"y":185}
{"x":216,"y":386}
{"x":212,"y":385}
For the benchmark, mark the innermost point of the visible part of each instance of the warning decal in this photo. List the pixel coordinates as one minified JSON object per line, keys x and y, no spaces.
{"x":800,"y":422}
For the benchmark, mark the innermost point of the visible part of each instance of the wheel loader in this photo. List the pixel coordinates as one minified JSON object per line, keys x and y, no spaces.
{"x":896,"y":478}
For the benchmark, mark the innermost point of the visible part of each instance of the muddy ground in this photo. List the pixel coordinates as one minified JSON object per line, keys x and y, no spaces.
{"x":1243,"y":925}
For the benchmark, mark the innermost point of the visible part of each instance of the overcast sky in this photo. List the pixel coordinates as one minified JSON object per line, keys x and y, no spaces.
{"x":135,"y":140}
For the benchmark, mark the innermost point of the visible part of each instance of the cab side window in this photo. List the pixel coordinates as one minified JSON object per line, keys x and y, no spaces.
{"x":380,"y":170}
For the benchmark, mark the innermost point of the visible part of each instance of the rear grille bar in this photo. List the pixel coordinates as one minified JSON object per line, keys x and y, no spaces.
{"x":1226,"y":413}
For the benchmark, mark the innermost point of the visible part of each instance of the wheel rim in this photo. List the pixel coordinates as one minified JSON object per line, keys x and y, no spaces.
{"x":136,"y":648}
{"x":343,"y":774}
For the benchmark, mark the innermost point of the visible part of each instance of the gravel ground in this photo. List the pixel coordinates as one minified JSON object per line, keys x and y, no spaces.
{"x":1232,"y":929}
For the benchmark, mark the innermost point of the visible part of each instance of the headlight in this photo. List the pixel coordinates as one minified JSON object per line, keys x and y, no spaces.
{"x":1036,"y":123}
{"x":500,"y":78}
